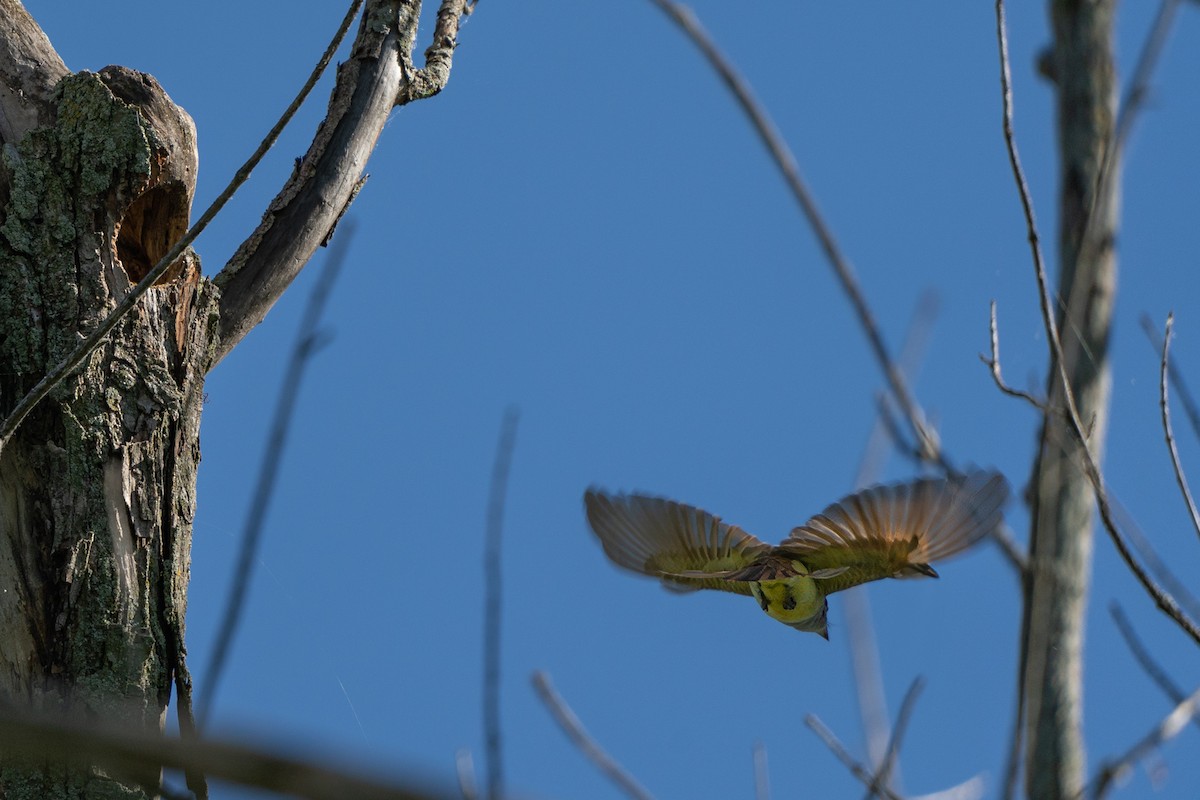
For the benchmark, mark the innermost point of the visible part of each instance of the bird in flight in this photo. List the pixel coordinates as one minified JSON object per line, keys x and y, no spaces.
{"x":891,"y":531}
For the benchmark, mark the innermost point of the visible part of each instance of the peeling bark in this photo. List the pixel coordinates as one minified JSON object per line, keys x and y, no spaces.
{"x":97,"y":488}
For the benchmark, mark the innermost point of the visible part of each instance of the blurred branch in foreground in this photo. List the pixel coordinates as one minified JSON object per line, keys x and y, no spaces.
{"x":856,"y":605}
{"x":838,"y":749}
{"x":308,"y":340}
{"x":125,"y":751}
{"x":575,"y":731}
{"x":883,"y":771}
{"x":1164,"y":731}
{"x":1146,"y":661}
{"x":683,"y":16}
{"x":762,"y":777}
{"x":493,"y":597}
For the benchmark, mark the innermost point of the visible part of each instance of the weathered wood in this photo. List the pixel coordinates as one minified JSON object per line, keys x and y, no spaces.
{"x":97,"y":488}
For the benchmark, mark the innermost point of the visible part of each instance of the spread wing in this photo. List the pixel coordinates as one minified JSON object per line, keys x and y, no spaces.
{"x":663,"y":538}
{"x":897,"y":531}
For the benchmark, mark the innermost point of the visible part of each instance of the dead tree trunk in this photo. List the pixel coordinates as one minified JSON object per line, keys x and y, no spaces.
{"x":97,"y":489}
{"x":98,"y":484}
{"x":1062,"y":496}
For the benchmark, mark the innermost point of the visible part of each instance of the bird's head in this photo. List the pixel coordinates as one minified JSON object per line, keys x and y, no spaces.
{"x":818,"y":623}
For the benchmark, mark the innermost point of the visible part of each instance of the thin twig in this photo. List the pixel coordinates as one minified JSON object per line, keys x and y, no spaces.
{"x":1164,"y":731}
{"x":762,"y":777}
{"x":786,"y":163}
{"x":1180,"y":478}
{"x":883,"y":774}
{"x":308,"y":340}
{"x":575,"y":731}
{"x":1161,"y":598}
{"x":838,"y":749}
{"x":1013,"y":766}
{"x":493,"y":597}
{"x":886,"y":417}
{"x":1146,"y":661}
{"x":1190,"y":407}
{"x":994,"y":364}
{"x":127,"y":303}
{"x":885,"y":434}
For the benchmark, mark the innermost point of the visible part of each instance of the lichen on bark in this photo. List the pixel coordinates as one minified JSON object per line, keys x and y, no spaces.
{"x":97,"y":488}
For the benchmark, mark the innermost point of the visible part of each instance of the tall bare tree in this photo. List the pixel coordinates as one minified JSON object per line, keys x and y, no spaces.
{"x":1062,"y":498}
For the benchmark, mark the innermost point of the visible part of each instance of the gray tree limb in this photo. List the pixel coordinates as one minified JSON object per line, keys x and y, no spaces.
{"x":378,"y":76}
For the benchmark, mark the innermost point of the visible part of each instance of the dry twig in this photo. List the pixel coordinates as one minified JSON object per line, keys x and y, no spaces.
{"x":994,"y":364}
{"x":1190,"y":407}
{"x":1161,"y":598}
{"x":1180,"y":478}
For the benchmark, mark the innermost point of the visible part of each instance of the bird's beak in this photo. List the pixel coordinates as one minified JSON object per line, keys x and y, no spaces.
{"x":823,"y":633}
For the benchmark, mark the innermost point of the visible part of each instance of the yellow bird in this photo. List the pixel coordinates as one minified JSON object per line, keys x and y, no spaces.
{"x":892,"y":531}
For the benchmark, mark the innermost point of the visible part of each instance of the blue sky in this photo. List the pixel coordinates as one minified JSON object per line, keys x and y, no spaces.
{"x":583,"y":225}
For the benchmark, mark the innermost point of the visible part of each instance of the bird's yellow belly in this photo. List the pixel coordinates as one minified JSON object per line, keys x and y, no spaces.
{"x":789,"y":600}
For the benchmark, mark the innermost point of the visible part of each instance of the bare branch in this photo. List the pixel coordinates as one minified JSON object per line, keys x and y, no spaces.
{"x":883,"y":773}
{"x":930,"y":447}
{"x":838,"y":749}
{"x":378,"y":76}
{"x":493,"y":596}
{"x":1151,"y":667}
{"x":1161,"y":598}
{"x":994,"y":364}
{"x":308,"y":339}
{"x":575,"y":731}
{"x":1163,"y":732}
{"x":1180,"y":478}
{"x":127,"y":303}
{"x":126,"y":750}
{"x":1190,"y":407}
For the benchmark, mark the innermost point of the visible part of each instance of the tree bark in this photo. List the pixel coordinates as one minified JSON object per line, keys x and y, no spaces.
{"x":97,"y":485}
{"x":1062,"y":496}
{"x":97,"y":488}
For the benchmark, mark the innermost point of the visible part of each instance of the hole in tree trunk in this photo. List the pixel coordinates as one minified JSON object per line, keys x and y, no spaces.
{"x":152,"y":223}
